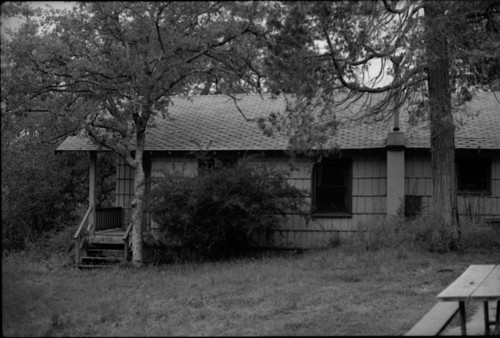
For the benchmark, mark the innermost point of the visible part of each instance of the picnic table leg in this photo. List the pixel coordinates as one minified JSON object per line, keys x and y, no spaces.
{"x":497,"y":316}
{"x":486,"y":319}
{"x":461,"y":308}
{"x":496,"y":330}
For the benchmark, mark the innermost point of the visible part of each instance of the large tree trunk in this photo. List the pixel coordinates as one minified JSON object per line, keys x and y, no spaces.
{"x":139,"y":197}
{"x":444,"y":192}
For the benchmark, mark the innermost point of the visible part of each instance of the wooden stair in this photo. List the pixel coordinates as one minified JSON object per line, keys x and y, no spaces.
{"x":102,"y":251}
{"x":100,"y":241}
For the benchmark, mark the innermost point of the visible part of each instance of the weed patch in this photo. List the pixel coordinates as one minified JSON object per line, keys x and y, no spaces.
{"x":426,"y":232}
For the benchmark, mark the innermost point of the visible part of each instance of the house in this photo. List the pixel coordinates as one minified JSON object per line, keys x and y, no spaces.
{"x":373,"y":172}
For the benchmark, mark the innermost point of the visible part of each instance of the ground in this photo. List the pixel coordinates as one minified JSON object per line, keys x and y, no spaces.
{"x":338,"y":291}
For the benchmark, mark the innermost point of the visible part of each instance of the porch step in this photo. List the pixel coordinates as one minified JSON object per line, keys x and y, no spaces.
{"x":105,"y":239}
{"x":112,"y":253}
{"x":102,"y":254}
{"x":88,"y":260}
{"x":104,"y":248}
{"x":92,"y":266}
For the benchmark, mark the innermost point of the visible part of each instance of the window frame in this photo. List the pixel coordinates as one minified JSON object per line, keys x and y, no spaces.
{"x":347,"y":186}
{"x":486,"y":161}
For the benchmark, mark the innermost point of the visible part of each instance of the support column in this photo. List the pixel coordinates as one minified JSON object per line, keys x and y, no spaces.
{"x":395,"y":172}
{"x":92,"y":187}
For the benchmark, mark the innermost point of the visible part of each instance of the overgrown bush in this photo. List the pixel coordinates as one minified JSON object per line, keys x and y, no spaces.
{"x":41,"y":192}
{"x":215,"y":214}
{"x":428,"y":232}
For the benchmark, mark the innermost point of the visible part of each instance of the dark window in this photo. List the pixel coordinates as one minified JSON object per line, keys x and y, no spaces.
{"x":413,"y":206}
{"x":473,"y":175}
{"x":332,"y":187}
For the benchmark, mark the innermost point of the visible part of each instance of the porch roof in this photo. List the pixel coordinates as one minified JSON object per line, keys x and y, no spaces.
{"x":214,"y":122}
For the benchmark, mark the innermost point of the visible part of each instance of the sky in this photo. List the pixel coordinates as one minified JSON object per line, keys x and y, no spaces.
{"x":15,"y":22}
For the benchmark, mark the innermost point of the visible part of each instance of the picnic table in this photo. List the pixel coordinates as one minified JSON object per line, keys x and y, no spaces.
{"x":477,"y":283}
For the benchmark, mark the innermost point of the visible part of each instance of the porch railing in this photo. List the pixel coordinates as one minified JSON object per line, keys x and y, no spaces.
{"x":80,"y":233}
{"x":108,"y":218}
{"x":126,"y":241}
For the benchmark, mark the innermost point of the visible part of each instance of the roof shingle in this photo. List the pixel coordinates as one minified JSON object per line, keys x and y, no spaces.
{"x":214,"y":122}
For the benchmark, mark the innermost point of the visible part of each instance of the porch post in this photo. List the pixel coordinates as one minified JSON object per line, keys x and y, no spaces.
{"x":395,"y":172}
{"x":92,"y":187}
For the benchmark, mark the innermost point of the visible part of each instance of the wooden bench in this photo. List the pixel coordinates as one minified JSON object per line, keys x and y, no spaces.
{"x":436,"y":320}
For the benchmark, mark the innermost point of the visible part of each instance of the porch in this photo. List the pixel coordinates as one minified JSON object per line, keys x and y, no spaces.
{"x":103,"y":236}
{"x":101,"y":240}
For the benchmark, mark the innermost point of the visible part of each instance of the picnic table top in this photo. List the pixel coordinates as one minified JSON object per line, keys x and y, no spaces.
{"x":479,"y":282}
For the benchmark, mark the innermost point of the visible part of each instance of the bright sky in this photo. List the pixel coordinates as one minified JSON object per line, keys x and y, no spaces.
{"x":15,"y":22}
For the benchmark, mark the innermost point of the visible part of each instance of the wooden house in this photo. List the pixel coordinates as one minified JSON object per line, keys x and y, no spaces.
{"x":375,"y":172}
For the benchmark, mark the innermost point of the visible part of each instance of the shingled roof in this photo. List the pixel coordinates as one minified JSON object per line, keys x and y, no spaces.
{"x":214,"y":122}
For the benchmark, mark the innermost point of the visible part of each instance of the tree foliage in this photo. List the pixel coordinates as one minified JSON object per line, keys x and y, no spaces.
{"x":113,"y":66}
{"x":41,"y":191}
{"x":331,"y":45}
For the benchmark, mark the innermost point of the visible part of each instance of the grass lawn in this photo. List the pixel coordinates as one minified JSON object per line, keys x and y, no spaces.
{"x":330,"y":292}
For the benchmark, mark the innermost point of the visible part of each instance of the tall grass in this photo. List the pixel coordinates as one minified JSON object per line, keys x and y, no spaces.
{"x":427,"y":232}
{"x":334,"y":291}
{"x":381,"y":283}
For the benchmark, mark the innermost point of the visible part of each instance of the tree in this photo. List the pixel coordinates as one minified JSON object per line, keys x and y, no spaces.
{"x":41,"y":192}
{"x":115,"y":66}
{"x":429,"y":51}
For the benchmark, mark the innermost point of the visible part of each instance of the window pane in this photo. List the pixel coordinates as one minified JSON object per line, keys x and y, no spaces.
{"x":332,"y":186}
{"x":331,"y":199}
{"x":333,"y":174}
{"x":473,"y":174}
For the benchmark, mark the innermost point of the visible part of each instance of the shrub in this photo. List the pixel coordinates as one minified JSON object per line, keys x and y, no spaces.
{"x":215,"y":214}
{"x":58,"y":242}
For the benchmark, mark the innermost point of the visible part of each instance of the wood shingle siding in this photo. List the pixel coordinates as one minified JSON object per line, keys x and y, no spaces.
{"x":368,"y":201}
{"x":174,"y":166}
{"x":369,"y":192}
{"x":418,"y":182}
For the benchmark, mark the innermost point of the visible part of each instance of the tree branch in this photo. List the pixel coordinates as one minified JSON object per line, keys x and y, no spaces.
{"x":361,"y":88}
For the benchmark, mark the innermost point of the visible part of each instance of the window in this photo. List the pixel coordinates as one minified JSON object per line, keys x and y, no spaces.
{"x":332,"y":187}
{"x":413,"y":206}
{"x":473,"y":175}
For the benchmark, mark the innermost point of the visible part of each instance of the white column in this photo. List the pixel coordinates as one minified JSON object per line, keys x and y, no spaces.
{"x":395,"y":172}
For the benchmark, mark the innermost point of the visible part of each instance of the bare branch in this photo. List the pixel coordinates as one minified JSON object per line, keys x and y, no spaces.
{"x":157,"y":25}
{"x":361,"y":88}
{"x":235,"y":100}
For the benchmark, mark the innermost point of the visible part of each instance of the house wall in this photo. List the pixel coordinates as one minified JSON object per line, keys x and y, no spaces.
{"x":418,"y":182}
{"x":369,"y":191}
{"x":368,"y":195}
{"x":368,"y":201}
{"x":487,"y":206}
{"x":164,"y":163}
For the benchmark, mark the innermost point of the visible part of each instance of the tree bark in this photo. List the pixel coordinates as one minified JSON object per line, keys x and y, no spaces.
{"x":444,"y":192}
{"x":139,"y":196}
